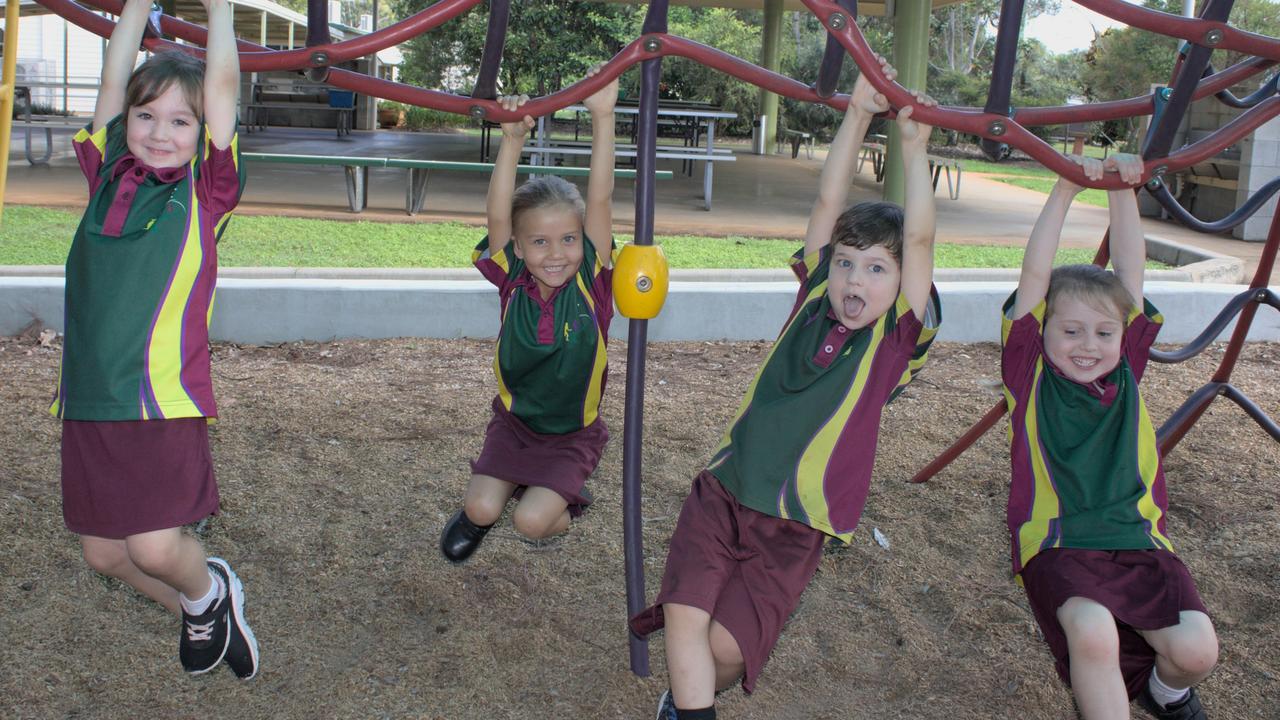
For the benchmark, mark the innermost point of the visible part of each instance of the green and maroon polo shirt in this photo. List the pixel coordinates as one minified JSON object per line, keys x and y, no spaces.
{"x":1086,"y":468}
{"x":140,"y":281}
{"x":551,"y":362}
{"x":803,"y":443}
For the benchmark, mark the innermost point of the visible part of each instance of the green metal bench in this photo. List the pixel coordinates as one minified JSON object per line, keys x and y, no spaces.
{"x":357,"y":173}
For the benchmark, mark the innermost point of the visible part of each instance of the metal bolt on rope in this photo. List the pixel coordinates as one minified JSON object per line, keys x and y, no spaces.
{"x":644,"y":283}
{"x":652,"y":44}
{"x":996,"y":128}
{"x":837,"y":21}
{"x":1154,"y":184}
{"x":320,"y":58}
{"x":1213,"y":37}
{"x":1166,"y":93}
{"x":477,"y":111}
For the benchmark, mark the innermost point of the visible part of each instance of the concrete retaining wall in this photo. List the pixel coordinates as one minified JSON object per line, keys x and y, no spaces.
{"x":278,"y":310}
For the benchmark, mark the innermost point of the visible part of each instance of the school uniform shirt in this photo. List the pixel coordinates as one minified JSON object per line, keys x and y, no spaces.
{"x":1086,"y":469}
{"x":803,"y":443}
{"x":140,"y":281}
{"x":550,"y":361}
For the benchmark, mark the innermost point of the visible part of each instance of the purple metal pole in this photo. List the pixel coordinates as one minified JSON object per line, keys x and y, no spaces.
{"x":1002,"y":71}
{"x":637,"y":338}
{"x":318,"y":34}
{"x":1160,"y":136}
{"x":833,"y":58}
{"x":487,"y":83}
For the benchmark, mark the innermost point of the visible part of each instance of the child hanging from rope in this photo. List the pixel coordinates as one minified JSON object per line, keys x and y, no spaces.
{"x":795,"y":465}
{"x":134,"y":391}
{"x":550,"y":255}
{"x":1087,"y":503}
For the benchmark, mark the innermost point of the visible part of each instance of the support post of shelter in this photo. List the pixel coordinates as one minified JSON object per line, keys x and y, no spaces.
{"x":911,"y":58}
{"x":771,"y":60}
{"x":8,"y":90}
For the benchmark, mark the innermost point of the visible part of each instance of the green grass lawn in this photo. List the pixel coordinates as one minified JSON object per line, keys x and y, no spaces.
{"x":42,"y":236}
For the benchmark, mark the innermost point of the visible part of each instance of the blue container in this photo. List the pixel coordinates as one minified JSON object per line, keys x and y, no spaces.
{"x":342,"y":98}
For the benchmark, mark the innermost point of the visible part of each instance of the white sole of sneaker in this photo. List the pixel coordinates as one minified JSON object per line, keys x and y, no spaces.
{"x":236,"y":591}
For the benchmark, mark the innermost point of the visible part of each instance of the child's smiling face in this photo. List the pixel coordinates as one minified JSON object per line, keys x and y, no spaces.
{"x":1082,"y":340}
{"x":163,"y":132}
{"x":549,"y":240}
{"x":863,"y":284}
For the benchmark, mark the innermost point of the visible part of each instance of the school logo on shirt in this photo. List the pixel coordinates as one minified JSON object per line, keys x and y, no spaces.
{"x":583,"y":321}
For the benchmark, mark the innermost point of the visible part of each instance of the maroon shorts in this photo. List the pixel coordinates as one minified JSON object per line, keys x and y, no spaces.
{"x":1143,"y":589}
{"x":562,"y":463}
{"x":134,"y":476}
{"x":745,"y":568}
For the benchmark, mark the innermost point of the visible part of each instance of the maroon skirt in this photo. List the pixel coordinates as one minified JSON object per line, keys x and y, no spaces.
{"x":134,"y":476}
{"x":1143,"y":589}
{"x":746,"y":569}
{"x":562,"y":463}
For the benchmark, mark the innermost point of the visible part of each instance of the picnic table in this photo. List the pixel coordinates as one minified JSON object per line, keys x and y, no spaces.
{"x":700,"y":122}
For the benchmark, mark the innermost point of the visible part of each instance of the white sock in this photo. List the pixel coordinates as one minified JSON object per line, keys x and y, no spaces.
{"x":201,"y":605}
{"x":1163,"y":694}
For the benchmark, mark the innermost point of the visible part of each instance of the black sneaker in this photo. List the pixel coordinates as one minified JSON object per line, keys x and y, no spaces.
{"x":203,"y":642}
{"x":461,"y":537}
{"x":1188,"y":708}
{"x":666,"y":707}
{"x":242,"y":646}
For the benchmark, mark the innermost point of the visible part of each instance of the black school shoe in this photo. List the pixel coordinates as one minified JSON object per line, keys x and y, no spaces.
{"x":242,"y":646}
{"x":203,"y":641}
{"x":1188,"y":708}
{"x":461,"y":537}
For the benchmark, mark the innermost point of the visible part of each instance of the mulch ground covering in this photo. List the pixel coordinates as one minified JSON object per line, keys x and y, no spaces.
{"x":338,"y":464}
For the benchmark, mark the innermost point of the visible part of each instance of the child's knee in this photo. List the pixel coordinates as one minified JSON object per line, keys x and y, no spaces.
{"x":684,"y":618}
{"x":483,"y":510}
{"x":534,"y":523}
{"x":105,"y":556}
{"x":155,"y":555}
{"x":1194,"y":648}
{"x":1091,"y":631}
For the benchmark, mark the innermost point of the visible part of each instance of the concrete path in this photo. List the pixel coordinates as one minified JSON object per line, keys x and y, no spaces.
{"x":767,"y":196}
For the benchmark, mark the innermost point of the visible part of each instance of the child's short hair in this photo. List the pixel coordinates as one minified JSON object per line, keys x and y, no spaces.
{"x":1098,"y":287}
{"x":871,"y":223}
{"x":543,"y":191}
{"x":153,"y":78}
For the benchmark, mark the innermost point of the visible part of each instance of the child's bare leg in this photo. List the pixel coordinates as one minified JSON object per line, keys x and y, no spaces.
{"x":691,"y":663}
{"x":111,"y":557}
{"x":728,"y":656}
{"x":486,"y":498}
{"x":174,"y":558}
{"x":1093,"y":644}
{"x":1186,"y":652}
{"x":541,"y":513}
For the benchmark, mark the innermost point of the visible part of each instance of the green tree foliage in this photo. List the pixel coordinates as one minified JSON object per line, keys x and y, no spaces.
{"x":550,"y":44}
{"x":1126,"y":62}
{"x":737,"y":32}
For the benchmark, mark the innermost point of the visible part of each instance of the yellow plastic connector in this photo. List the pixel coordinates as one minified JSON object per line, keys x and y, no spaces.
{"x":640,"y":281}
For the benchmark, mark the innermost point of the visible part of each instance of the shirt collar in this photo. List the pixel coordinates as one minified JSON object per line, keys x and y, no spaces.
{"x":1102,"y":388}
{"x":130,"y":163}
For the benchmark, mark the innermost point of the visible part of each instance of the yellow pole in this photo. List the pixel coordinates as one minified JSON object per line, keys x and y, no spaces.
{"x":10,"y":71}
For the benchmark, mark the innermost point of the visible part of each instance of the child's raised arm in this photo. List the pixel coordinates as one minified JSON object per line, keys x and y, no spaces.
{"x":1042,"y":246}
{"x":502,"y":184}
{"x":1126,"y":241}
{"x":837,"y":171}
{"x":221,"y":74}
{"x":920,"y":224}
{"x":117,"y":66}
{"x":599,"y":221}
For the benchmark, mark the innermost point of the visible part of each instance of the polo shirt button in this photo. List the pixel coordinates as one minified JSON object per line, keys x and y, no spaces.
{"x":840,"y":329}
{"x":828,"y":349}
